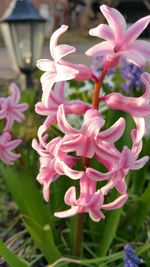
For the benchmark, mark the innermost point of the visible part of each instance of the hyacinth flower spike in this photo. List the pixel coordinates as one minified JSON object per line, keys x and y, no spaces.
{"x":130,"y":257}
{"x":10,"y":109}
{"x":120,"y":40}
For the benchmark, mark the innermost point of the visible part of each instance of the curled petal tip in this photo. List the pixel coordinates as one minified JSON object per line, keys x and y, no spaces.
{"x":63,"y":26}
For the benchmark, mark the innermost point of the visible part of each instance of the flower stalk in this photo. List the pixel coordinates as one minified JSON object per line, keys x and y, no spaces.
{"x":97,"y":87}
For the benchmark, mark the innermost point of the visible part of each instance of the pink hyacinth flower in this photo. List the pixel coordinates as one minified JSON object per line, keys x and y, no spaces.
{"x":138,"y":108}
{"x":10,"y":109}
{"x":6,"y":147}
{"x":120,"y":40}
{"x":90,"y":201}
{"x":119,"y":168}
{"x":85,"y":141}
{"x":58,"y":69}
{"x":56,"y":98}
{"x":53,"y":163}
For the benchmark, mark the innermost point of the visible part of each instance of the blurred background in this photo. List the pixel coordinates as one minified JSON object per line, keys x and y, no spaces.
{"x":80,"y":15}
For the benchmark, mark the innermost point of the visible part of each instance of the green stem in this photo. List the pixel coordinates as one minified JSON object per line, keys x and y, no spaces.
{"x":78,"y":235}
{"x":97,"y":87}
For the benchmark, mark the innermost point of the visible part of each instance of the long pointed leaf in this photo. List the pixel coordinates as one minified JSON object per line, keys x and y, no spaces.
{"x":12,"y":259}
{"x":42,"y":238}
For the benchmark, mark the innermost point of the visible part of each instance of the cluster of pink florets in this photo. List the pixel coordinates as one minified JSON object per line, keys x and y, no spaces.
{"x":90,"y":141}
{"x":10,"y":111}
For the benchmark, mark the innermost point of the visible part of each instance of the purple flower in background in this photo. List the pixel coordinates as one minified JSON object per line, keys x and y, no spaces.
{"x":97,"y":70}
{"x":131,"y":74}
{"x":130,"y":257}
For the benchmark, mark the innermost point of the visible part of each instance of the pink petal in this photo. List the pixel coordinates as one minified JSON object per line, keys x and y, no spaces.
{"x":103,"y":31}
{"x":13,"y":144}
{"x":73,"y":174}
{"x":95,"y":215}
{"x":9,"y":123}
{"x":102,"y":48}
{"x":77,"y":107}
{"x":96,"y":175}
{"x":90,"y":114}
{"x":47,"y":81}
{"x":115,"y":20}
{"x":112,"y":134}
{"x":68,"y":213}
{"x":46,"y":65}
{"x":121,"y":186}
{"x":46,"y":192}
{"x":126,"y":158}
{"x":140,"y":163}
{"x":41,"y":109}
{"x":130,"y":105}
{"x":140,"y":125}
{"x":84,"y":72}
{"x":3,"y":111}
{"x":136,"y":29}
{"x":145,"y":78}
{"x":15,"y":93}
{"x":55,"y":37}
{"x":116,"y":203}
{"x":106,"y":155}
{"x":105,"y":189}
{"x":70,"y":196}
{"x":140,"y":46}
{"x":134,"y":57}
{"x":85,"y":147}
{"x":5,"y":137}
{"x":92,"y":123}
{"x":137,"y":143}
{"x":65,"y":73}
{"x":63,"y":124}
{"x":59,"y":91}
{"x":62,"y":51}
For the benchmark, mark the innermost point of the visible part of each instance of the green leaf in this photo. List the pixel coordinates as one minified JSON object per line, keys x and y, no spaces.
{"x":111,"y":225}
{"x":26,"y":193}
{"x":12,"y":259}
{"x":141,"y":209}
{"x":43,"y":238}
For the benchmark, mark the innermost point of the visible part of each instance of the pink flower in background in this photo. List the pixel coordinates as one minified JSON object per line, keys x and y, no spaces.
{"x":10,"y":109}
{"x":58,"y":69}
{"x":90,"y":201}
{"x":6,"y":147}
{"x":120,"y":40}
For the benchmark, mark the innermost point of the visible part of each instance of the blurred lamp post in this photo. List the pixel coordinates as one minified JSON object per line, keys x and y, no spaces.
{"x":23,"y":32}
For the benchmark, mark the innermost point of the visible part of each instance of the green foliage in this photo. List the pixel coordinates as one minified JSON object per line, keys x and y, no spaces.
{"x":11,"y":258}
{"x":27,"y":195}
{"x":43,"y":238}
